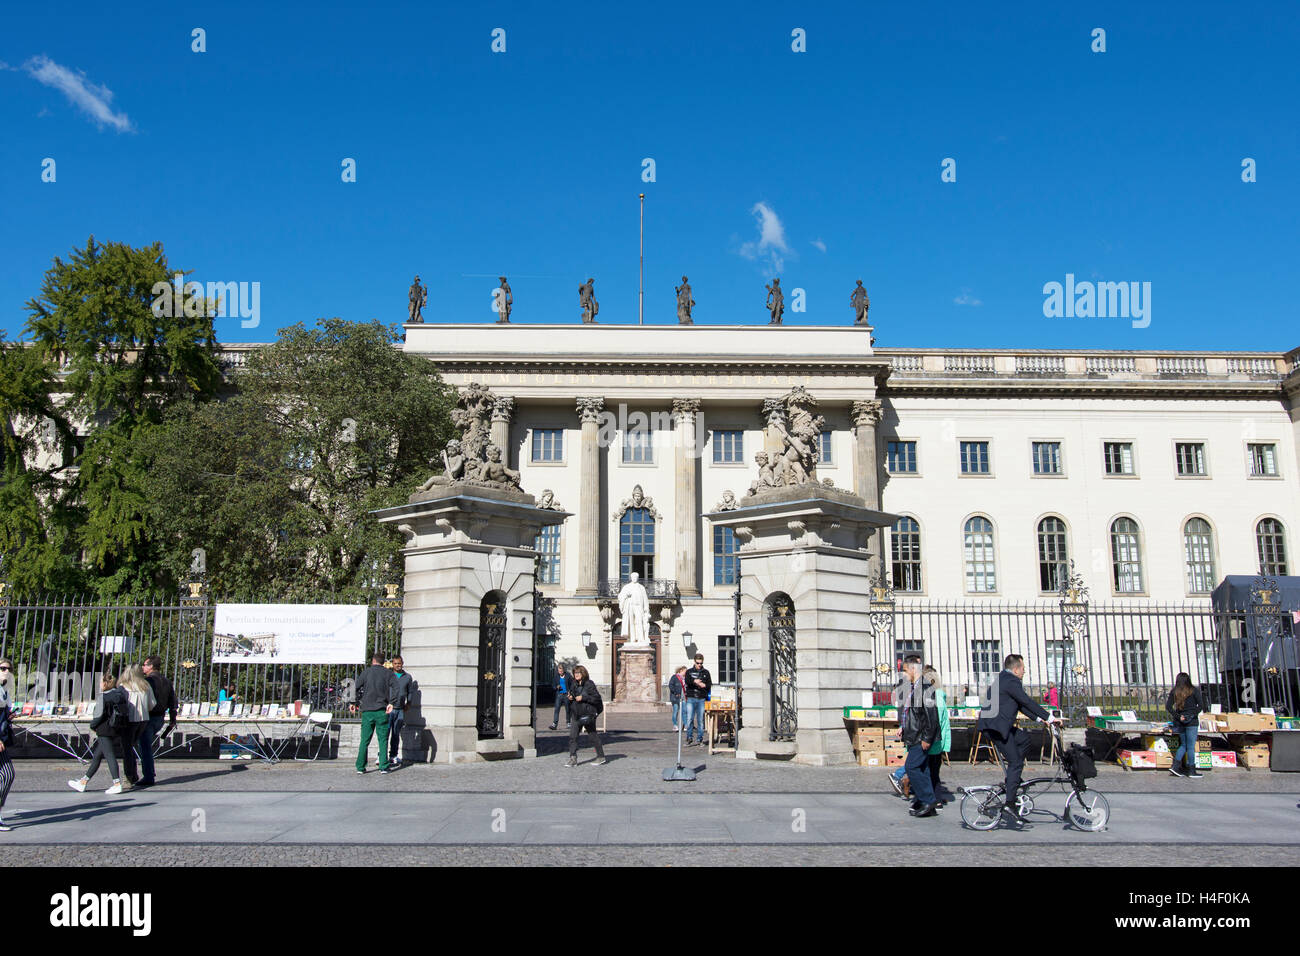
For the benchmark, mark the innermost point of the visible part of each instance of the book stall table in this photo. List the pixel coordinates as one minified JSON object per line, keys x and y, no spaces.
{"x":68,"y":734}
{"x":262,"y":738}
{"x":720,"y":718}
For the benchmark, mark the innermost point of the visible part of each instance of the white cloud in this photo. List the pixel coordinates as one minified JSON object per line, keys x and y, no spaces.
{"x":86,"y":96}
{"x":966,"y":299}
{"x":771,"y":239}
{"x":819,"y":245}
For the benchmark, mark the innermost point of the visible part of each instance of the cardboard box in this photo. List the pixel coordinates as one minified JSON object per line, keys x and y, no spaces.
{"x":856,"y":713}
{"x":1204,"y":746}
{"x":1244,"y":723}
{"x":1141,"y":759}
{"x":895,"y":758}
{"x":1204,"y":760}
{"x":1164,"y":759}
{"x":871,"y":758}
{"x":868,"y":737}
{"x":1222,"y":759}
{"x":1157,"y":742}
{"x":1254,"y":757}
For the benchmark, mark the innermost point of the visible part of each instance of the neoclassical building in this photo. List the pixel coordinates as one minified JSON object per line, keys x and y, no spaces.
{"x":1155,"y":473}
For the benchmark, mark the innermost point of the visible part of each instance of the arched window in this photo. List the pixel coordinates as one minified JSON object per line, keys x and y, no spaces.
{"x":636,"y":543}
{"x":905,"y":555}
{"x":1198,"y":549}
{"x":1052,"y":558}
{"x":1126,"y":556}
{"x":1270,"y":539}
{"x":981,"y":573}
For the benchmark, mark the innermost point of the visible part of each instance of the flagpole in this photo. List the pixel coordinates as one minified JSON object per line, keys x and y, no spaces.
{"x":640,"y":283}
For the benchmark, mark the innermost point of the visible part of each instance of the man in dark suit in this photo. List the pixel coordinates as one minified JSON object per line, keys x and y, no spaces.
{"x":919,"y":721}
{"x":1003,"y":701}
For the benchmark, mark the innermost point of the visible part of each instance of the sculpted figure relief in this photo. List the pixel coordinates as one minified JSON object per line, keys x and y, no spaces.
{"x":634,"y":605}
{"x":418,"y":298}
{"x":775,"y":301}
{"x":587,"y":300}
{"x":684,"y":302}
{"x":799,"y":428}
{"x":473,"y":458}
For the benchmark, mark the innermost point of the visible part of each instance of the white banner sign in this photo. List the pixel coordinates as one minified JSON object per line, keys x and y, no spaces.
{"x":290,"y":634}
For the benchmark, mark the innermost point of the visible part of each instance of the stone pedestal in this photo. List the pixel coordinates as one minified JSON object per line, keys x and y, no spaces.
{"x":805,"y":548}
{"x":468,"y":547}
{"x":636,"y":689}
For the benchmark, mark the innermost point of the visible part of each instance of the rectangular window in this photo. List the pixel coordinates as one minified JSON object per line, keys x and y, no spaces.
{"x":824,"y":449}
{"x":902,"y":648}
{"x":728,"y":447}
{"x":1207,"y":662}
{"x":901,"y":459}
{"x":548,"y":444}
{"x":1047,"y":458}
{"x":727,"y":659}
{"x":974,"y":458}
{"x":1136,"y":661}
{"x":1059,"y":658}
{"x":547,"y":546}
{"x":1263,"y":460}
{"x":724,"y":556}
{"x":638,"y":446}
{"x":1190,"y":457}
{"x":905,"y":555}
{"x":986,"y":659}
{"x":1119,"y":457}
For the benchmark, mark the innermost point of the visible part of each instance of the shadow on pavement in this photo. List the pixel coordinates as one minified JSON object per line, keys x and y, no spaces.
{"x":68,"y":814}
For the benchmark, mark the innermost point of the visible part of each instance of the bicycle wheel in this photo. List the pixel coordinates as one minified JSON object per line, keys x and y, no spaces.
{"x":981,"y":808}
{"x":1087,"y":810}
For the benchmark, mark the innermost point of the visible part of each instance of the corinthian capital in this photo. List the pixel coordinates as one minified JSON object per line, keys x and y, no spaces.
{"x":589,"y":409}
{"x":503,"y":408}
{"x":685,"y":409}
{"x":867,"y":412}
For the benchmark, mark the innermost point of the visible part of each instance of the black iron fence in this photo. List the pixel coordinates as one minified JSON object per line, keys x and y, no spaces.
{"x":59,"y":646}
{"x":1114,"y":656}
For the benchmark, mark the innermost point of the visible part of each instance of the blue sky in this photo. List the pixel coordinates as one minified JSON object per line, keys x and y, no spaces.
{"x":1117,"y":166}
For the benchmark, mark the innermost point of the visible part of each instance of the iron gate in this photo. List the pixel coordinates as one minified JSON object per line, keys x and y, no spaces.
{"x":781,"y":641}
{"x":491,"y":666}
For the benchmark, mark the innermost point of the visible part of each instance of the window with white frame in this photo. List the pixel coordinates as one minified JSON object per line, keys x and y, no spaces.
{"x":548,"y":444}
{"x":728,"y":446}
{"x":1263,"y":460}
{"x":905,"y":554}
{"x":977,"y":546}
{"x":986,"y":660}
{"x":974,"y":458}
{"x":724,"y":555}
{"x":1190,"y":459}
{"x":1270,"y":541}
{"x":1198,"y":555}
{"x":1052,"y":557}
{"x":1135,"y":659}
{"x":900,"y":458}
{"x":547,"y":546}
{"x":1119,"y":457}
{"x":1207,"y":662}
{"x":638,"y":446}
{"x":1047,"y":458}
{"x":728,"y":659}
{"x":824,"y":449}
{"x":1126,"y":556}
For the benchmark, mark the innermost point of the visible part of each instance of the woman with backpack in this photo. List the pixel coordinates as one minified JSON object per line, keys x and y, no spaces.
{"x":111,"y":718}
{"x":140,"y":698}
{"x":586,"y":706}
{"x":6,"y":739}
{"x":1184,"y":706}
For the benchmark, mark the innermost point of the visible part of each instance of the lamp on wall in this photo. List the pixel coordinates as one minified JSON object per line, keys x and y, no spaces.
{"x":686,"y":642}
{"x":589,"y":645}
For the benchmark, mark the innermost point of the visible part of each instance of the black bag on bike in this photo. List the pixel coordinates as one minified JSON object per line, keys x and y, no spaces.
{"x":1079,"y":762}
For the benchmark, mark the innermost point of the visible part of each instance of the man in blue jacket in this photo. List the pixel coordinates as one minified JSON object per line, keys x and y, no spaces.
{"x":1003,"y":701}
{"x":919,"y":722}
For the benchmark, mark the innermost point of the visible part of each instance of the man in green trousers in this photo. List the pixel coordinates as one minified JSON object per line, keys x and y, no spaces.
{"x":376,"y":695}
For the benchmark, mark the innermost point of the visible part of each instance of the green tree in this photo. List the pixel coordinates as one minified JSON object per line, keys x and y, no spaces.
{"x":125,"y":362}
{"x":277,"y":484}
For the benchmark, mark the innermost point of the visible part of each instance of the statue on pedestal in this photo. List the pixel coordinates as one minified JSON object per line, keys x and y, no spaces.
{"x":417,"y":300}
{"x":799,"y":429}
{"x":505,"y":300}
{"x":473,"y":458}
{"x":684,"y":302}
{"x":634,"y":605}
{"x":858,"y":299}
{"x":587,"y":300}
{"x":775,"y":301}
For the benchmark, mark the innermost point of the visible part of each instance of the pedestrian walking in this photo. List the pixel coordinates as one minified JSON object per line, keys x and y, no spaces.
{"x":920,"y":730}
{"x":1185,"y":706}
{"x":676,"y":691}
{"x":1052,"y":696}
{"x":164,"y":709}
{"x":942,"y":743}
{"x":376,"y":695}
{"x":140,"y":699}
{"x":898,"y":778}
{"x":699,"y":685}
{"x":587,"y":705}
{"x":402,"y":683}
{"x":111,"y":717}
{"x":6,"y":738}
{"x":561,"y":685}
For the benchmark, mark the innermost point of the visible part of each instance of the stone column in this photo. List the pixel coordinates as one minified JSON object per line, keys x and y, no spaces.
{"x":503,"y":409}
{"x":686,"y":459}
{"x":589,"y":512}
{"x":866,"y":474}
